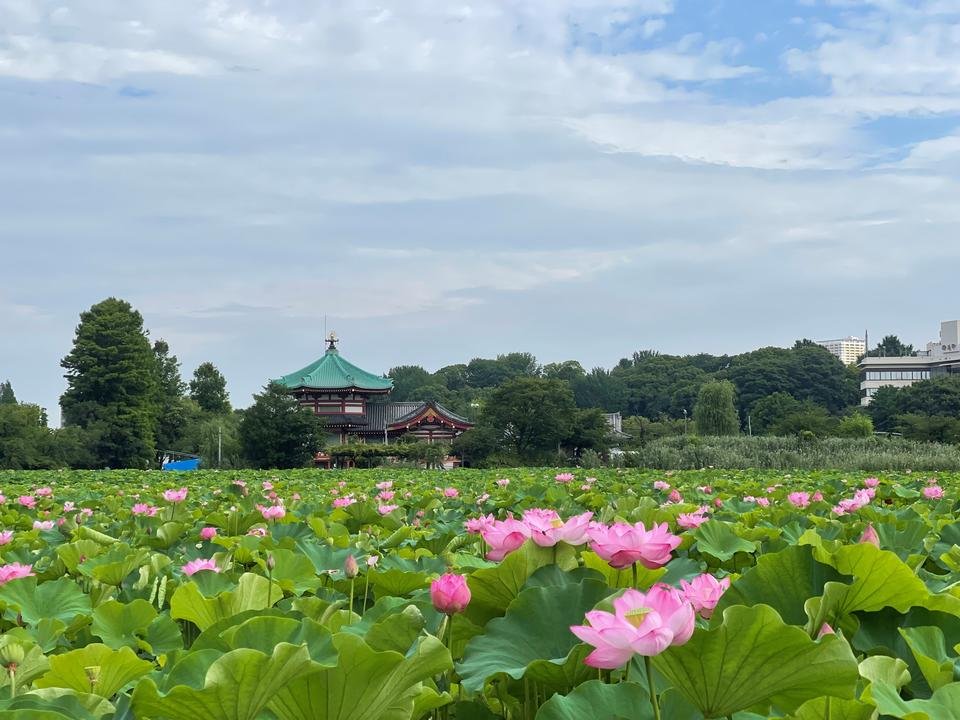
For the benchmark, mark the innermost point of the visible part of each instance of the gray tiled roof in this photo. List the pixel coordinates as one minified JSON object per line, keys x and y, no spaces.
{"x":379,"y":415}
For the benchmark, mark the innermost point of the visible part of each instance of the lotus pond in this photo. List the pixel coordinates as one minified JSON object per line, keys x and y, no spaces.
{"x":521,"y":594}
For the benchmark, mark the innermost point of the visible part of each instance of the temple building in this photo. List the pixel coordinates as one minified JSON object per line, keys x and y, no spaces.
{"x":354,"y":404}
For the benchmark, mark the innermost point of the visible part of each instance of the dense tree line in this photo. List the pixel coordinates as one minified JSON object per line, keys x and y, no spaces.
{"x":127,"y":402}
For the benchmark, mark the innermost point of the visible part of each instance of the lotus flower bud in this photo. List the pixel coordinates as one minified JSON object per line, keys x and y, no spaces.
{"x":271,"y":562}
{"x":825,"y":629}
{"x":870,"y":536}
{"x":450,"y":593}
{"x":350,"y":568}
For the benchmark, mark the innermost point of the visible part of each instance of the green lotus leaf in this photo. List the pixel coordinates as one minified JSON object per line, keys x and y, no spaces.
{"x":47,"y":633}
{"x":535,"y":627}
{"x":944,"y":704}
{"x":493,"y":589}
{"x":186,"y":668}
{"x":929,"y":649}
{"x":113,"y":566}
{"x":881,"y":668}
{"x":72,"y":554}
{"x":717,"y":539}
{"x":252,"y":593}
{"x":365,"y":683}
{"x":621,"y":578}
{"x":55,"y":704}
{"x":831,"y":708}
{"x":396,"y":632}
{"x":599,"y":701}
{"x":783,"y":580}
{"x":397,"y":582}
{"x":211,"y":637}
{"x":95,"y":669}
{"x":122,"y":625}
{"x":59,"y":599}
{"x":264,"y":633}
{"x":754,"y":659}
{"x":294,"y":572}
{"x":237,"y":686}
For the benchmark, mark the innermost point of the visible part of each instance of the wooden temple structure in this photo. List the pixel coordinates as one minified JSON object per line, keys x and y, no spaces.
{"x":355,"y":403}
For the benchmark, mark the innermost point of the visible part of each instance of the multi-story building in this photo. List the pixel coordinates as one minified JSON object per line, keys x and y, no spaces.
{"x":848,"y":349}
{"x":940,"y":358}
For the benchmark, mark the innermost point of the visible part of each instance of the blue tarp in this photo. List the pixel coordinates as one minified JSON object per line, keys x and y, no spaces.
{"x":190,"y":464}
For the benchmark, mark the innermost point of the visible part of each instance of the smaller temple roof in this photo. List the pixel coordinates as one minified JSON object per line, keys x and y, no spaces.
{"x":332,"y":372}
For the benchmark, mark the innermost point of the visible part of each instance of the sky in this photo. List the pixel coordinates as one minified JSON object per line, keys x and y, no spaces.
{"x":445,"y":179}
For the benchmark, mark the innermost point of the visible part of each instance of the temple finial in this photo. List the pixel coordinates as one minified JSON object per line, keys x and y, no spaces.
{"x":332,"y":341}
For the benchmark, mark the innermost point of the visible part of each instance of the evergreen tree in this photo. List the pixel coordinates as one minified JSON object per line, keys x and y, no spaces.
{"x":6,"y":394}
{"x":26,"y":443}
{"x":171,"y":411}
{"x":209,"y":389}
{"x":531,"y":416}
{"x":112,"y":385}
{"x":714,"y":413}
{"x":277,"y":433}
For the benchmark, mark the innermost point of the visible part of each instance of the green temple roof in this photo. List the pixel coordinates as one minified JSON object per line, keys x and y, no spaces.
{"x":332,"y":372}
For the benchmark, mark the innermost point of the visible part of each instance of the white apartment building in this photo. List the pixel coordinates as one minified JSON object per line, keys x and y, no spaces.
{"x":940,"y":358}
{"x":848,"y":349}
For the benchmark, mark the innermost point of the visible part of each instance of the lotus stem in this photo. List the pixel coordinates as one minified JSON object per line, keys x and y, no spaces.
{"x":633,"y":567}
{"x":653,"y":690}
{"x":13,"y":681}
{"x":626,"y":672}
{"x":366,"y":589}
{"x":350,"y":606}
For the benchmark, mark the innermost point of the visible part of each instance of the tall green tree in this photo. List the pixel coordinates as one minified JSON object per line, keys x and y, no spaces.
{"x":715,"y":413}
{"x":277,"y":433}
{"x":171,"y":410}
{"x":208,"y":388}
{"x":532,"y":417}
{"x":112,"y":385}
{"x":6,"y":394}
{"x":26,"y":443}
{"x":892,"y":346}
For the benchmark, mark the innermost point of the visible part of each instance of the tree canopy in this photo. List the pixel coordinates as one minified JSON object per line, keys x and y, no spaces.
{"x":277,"y":433}
{"x":208,"y":388}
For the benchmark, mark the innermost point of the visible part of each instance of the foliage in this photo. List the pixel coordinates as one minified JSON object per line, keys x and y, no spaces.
{"x":714,"y":413}
{"x":855,"y":425}
{"x":7,"y":397}
{"x":277,"y":432}
{"x":25,"y":441}
{"x":208,"y":388}
{"x":112,"y":385}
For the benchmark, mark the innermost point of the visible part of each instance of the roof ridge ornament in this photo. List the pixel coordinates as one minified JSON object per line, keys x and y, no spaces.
{"x":332,"y":341}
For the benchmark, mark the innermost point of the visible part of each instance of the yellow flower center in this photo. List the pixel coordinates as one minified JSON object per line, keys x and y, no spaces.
{"x":636,"y":616}
{"x":557,"y":523}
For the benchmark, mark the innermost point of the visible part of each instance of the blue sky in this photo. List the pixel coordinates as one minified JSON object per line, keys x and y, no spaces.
{"x":444,"y":180}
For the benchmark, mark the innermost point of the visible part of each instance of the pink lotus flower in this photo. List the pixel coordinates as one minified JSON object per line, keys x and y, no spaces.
{"x":817,"y":496}
{"x":563,"y":478}
{"x":675,"y":496}
{"x":350,"y":567}
{"x":799,"y":499}
{"x":825,"y":629}
{"x":622,"y":544}
{"x":451,"y":492}
{"x":44,"y":492}
{"x":69,"y":506}
{"x":481,"y":499}
{"x":933,"y":492}
{"x":590,"y":480}
{"x":386,"y":509}
{"x":257,"y":531}
{"x":197,"y":565}
{"x":547,"y":529}
{"x":385,"y":495}
{"x":661,"y":485}
{"x":706,"y":489}
{"x":6,"y":536}
{"x":691,"y":521}
{"x":273,"y":512}
{"x":385,"y":485}
{"x":476,"y":526}
{"x":641,"y":624}
{"x":871,"y":482}
{"x":505,"y":536}
{"x":208,"y":533}
{"x":450,"y":593}
{"x":14,"y":571}
{"x":144,"y":509}
{"x":43,"y":524}
{"x":344,"y":502}
{"x":27,"y":501}
{"x":704,"y":592}
{"x":717,"y":502}
{"x":763,"y":502}
{"x":372,"y":561}
{"x":503,"y":482}
{"x":175,"y":496}
{"x":870,"y":536}
{"x":267,"y":485}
